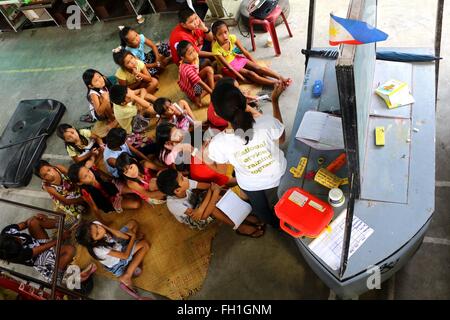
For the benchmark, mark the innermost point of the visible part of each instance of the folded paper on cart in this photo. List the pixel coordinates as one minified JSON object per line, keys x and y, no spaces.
{"x":321,"y":131}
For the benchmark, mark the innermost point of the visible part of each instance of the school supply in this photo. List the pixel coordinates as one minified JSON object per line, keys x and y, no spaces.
{"x":395,"y":93}
{"x":183,"y":112}
{"x":379,"y":136}
{"x":327,"y":179}
{"x":297,"y":172}
{"x":234,"y":207}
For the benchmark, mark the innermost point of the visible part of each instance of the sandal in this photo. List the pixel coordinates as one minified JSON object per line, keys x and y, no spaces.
{"x":254,"y":234}
{"x":137,"y":272}
{"x":87,"y":118}
{"x":132,"y":292}
{"x":259,"y":224}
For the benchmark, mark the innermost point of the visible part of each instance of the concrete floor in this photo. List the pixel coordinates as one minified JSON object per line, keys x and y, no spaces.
{"x":241,"y":268}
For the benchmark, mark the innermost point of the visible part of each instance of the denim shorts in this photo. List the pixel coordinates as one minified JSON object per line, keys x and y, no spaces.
{"x":119,"y":268}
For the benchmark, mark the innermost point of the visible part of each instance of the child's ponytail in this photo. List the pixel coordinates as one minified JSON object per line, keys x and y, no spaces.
{"x":123,"y":35}
{"x":242,"y":124}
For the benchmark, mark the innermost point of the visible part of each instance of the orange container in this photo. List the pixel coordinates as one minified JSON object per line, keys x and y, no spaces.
{"x":302,"y":214}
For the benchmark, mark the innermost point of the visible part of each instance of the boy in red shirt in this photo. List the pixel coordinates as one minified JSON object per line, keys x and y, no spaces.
{"x":192,"y":29}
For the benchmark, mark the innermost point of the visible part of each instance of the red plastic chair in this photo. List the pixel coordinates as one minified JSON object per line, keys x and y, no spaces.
{"x":269,"y":25}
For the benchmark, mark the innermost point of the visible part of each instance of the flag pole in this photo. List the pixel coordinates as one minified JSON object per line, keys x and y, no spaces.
{"x":347,"y":230}
{"x":310,"y":38}
{"x":437,"y":44}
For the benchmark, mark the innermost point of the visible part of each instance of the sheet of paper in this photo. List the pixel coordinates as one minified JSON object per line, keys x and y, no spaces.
{"x":328,"y":246}
{"x":321,"y":131}
{"x":234,"y":207}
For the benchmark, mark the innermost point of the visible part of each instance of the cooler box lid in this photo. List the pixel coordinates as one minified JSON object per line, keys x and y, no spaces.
{"x":302,"y":214}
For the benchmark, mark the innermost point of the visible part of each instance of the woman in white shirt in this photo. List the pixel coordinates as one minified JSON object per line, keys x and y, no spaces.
{"x":250,"y":144}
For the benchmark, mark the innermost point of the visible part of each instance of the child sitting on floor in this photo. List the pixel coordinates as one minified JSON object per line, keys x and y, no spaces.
{"x":81,"y":145}
{"x":65,"y":194}
{"x":132,"y":72}
{"x":116,"y":143}
{"x":35,"y":248}
{"x":98,"y":87}
{"x":130,"y":109}
{"x":120,"y":251}
{"x":197,"y":211}
{"x":100,"y":192}
{"x":180,"y":114}
{"x":140,"y":179}
{"x":155,"y":60}
{"x":237,"y":62}
{"x":194,"y":82}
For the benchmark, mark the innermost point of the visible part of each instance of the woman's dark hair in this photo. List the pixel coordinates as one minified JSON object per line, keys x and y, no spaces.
{"x":162,"y":136}
{"x":119,"y":57}
{"x":230,"y":104}
{"x":88,"y":75}
{"x":115,"y":138}
{"x":167,"y":181}
{"x":118,"y":94}
{"x":74,"y":176}
{"x":62,"y":128}
{"x":39,"y":165}
{"x":160,"y":105}
{"x":83,"y":237}
{"x":183,"y":47}
{"x":123,"y":160}
{"x":123,"y":33}
{"x":216,"y":25}
{"x":184,"y":14}
{"x":10,"y":248}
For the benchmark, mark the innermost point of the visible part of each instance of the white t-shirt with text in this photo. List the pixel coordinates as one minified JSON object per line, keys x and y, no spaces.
{"x":260,"y":163}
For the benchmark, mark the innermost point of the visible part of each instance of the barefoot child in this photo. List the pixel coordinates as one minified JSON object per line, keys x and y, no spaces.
{"x":194,"y":82}
{"x":155,"y":60}
{"x":81,"y":145}
{"x":132,"y":72}
{"x":237,"y":62}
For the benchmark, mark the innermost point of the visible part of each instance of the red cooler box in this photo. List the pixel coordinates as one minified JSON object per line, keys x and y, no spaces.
{"x":303,"y":214}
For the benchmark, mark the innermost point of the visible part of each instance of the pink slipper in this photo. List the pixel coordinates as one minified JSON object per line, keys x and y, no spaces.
{"x":132,"y":292}
{"x":86,"y":273}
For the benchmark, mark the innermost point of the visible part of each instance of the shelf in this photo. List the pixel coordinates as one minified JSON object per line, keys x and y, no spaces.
{"x":12,"y":16}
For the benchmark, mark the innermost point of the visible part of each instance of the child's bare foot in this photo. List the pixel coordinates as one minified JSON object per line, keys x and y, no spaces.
{"x":286,"y":82}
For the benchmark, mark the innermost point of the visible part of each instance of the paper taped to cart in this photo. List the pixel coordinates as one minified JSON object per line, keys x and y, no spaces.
{"x":328,"y":245}
{"x":321,"y":131}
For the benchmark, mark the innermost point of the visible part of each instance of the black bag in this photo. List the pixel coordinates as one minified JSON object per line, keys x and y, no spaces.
{"x":260,"y":9}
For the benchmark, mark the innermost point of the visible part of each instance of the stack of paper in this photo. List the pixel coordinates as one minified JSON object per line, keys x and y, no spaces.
{"x":321,"y":131}
{"x":395,"y":93}
{"x":328,"y":246}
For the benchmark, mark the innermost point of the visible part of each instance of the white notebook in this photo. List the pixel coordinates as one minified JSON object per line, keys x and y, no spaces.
{"x":234,"y":207}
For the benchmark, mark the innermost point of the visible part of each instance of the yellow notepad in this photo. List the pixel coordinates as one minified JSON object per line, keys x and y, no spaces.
{"x":395,"y":93}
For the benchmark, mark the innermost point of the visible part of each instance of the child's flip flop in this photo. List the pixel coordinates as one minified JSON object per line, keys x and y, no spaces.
{"x":132,"y":292}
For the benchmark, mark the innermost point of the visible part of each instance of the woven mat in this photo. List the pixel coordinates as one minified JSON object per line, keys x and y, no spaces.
{"x":178,"y":260}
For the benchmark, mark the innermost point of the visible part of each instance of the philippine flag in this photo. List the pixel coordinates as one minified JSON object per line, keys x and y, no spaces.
{"x":350,"y":31}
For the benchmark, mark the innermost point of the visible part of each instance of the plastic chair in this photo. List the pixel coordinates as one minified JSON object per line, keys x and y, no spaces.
{"x":269,"y":25}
